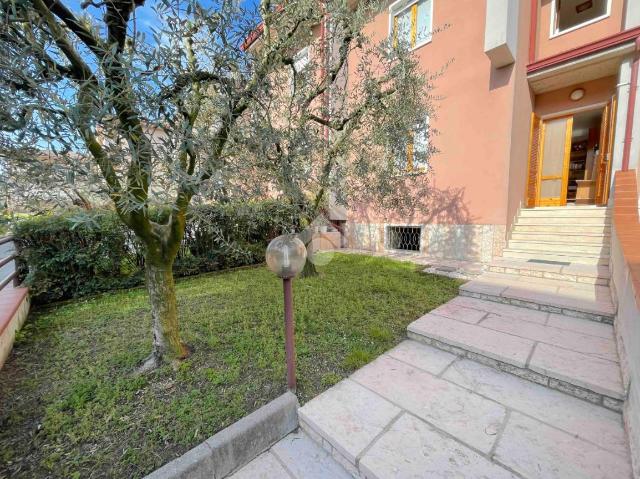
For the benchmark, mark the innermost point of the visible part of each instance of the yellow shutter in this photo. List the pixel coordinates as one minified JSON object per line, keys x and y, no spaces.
{"x":534,"y":162}
{"x":414,"y":24}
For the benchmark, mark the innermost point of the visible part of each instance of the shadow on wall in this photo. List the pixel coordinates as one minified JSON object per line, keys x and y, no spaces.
{"x":447,"y":226}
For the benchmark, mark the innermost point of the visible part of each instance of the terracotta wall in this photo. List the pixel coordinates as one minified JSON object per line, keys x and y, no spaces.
{"x":596,"y":91}
{"x":470,"y":174}
{"x":547,"y":46}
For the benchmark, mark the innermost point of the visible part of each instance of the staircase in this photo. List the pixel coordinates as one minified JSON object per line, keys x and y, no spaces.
{"x":518,"y":377}
{"x":574,"y":234}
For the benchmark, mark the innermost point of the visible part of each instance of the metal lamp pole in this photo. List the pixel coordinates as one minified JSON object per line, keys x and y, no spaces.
{"x":289,"y":340}
{"x":286,"y":256}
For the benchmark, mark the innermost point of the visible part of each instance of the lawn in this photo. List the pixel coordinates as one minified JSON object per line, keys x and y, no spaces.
{"x":72,"y":406}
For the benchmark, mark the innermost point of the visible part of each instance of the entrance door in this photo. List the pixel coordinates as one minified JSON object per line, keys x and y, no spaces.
{"x":603,"y":160}
{"x":555,"y":151}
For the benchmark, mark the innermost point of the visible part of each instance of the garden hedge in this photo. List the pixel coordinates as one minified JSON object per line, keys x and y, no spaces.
{"x":75,"y":254}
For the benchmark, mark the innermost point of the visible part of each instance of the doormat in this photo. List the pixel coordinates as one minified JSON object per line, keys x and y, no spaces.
{"x":546,"y":261}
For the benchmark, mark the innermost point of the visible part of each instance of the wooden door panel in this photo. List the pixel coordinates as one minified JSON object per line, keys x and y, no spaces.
{"x":555,"y":150}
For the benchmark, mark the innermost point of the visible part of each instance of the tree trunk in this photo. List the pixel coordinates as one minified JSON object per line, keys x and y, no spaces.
{"x":167,"y":345}
{"x":309,"y":270}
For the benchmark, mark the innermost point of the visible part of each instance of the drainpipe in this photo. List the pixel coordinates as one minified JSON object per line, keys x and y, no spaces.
{"x":633,"y":93}
{"x":533,"y":31}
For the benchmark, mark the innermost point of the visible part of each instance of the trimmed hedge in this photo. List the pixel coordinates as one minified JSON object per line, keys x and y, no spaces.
{"x":68,"y":256}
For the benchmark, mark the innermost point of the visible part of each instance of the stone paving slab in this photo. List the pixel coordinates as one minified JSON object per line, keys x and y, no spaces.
{"x":265,"y":466}
{"x":494,"y":344}
{"x":501,"y":309}
{"x":591,"y":328}
{"x":421,"y":356}
{"x":413,"y":449}
{"x":304,"y":459}
{"x":461,"y":313}
{"x":564,"y":338}
{"x":349,"y":416}
{"x":576,"y":296}
{"x":592,"y":423}
{"x":589,"y":372}
{"x":538,"y":451}
{"x":295,"y":456}
{"x":468,"y":417}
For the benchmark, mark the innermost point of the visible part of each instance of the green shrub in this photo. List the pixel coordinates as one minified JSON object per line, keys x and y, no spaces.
{"x":71,"y":255}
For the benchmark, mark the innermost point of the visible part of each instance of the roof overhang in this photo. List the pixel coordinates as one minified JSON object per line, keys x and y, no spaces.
{"x":589,"y":62}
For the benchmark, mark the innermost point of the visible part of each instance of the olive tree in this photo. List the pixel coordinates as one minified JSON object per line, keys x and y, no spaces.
{"x":169,"y":103}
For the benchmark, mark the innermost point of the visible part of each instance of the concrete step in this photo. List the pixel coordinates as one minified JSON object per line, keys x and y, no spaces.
{"x":576,"y":356}
{"x":418,"y":411}
{"x":566,"y":212}
{"x":579,"y":273}
{"x":559,"y":247}
{"x":580,"y":300}
{"x":564,"y":238}
{"x":571,"y":229}
{"x":558,"y":257}
{"x":564,"y":220}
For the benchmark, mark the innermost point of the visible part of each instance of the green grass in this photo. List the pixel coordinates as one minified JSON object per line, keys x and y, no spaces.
{"x":71,"y":405}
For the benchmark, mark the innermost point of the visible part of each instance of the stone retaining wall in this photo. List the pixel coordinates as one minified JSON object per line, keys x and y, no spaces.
{"x":625,"y":289}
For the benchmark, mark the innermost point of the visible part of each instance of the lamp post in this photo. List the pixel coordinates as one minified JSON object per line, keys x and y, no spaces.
{"x":286,"y":256}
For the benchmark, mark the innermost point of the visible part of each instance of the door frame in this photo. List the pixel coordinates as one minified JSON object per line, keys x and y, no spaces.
{"x":564,"y":177}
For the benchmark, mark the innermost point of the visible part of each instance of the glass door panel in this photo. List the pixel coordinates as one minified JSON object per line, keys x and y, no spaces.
{"x":556,"y":148}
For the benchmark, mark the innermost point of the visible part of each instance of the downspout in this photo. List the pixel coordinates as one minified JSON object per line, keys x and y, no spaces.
{"x":533,"y":31}
{"x":631,"y":107}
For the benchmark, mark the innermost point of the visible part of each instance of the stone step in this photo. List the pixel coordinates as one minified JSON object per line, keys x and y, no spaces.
{"x":559,"y":247}
{"x":571,"y":229}
{"x":576,"y":356}
{"x":557,"y":257}
{"x":564,"y":238}
{"x":566,"y":212}
{"x":418,"y":412}
{"x":585,"y":301}
{"x":564,"y":220}
{"x":579,"y":273}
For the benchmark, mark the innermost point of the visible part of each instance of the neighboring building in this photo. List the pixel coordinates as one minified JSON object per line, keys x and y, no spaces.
{"x":535,"y":112}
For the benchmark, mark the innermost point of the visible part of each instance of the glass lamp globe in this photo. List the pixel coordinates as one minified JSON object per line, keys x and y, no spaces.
{"x":286,"y":256}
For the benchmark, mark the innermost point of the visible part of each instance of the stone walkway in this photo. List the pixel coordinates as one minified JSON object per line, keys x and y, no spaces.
{"x":420,"y":412}
{"x":574,"y":355}
{"x":444,"y":267}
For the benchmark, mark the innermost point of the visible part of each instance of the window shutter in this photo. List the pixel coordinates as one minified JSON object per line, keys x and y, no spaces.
{"x":534,"y":161}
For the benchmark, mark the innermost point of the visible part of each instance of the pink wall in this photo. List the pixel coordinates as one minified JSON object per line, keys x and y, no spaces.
{"x":470,"y":174}
{"x":546,"y":46}
{"x":596,"y":91}
{"x":521,"y":118}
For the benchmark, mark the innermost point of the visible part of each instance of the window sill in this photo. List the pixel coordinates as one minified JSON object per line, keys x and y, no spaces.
{"x":579,"y":26}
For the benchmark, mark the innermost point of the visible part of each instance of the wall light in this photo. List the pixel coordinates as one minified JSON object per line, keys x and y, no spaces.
{"x":577,"y":94}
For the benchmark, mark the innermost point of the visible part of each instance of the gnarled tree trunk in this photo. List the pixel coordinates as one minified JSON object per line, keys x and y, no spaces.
{"x":167,"y":345}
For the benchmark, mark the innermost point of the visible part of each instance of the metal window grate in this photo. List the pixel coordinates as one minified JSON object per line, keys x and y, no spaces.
{"x":403,"y":237}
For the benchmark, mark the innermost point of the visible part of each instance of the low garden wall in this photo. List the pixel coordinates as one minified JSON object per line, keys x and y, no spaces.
{"x":235,"y":446}
{"x":625,"y":285}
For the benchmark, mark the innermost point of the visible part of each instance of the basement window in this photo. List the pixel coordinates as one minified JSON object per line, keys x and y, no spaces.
{"x":405,"y":238}
{"x":569,"y":15}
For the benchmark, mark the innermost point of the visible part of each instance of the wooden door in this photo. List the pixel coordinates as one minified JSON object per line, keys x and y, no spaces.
{"x":534,"y":161}
{"x":555,"y":151}
{"x":603,"y":160}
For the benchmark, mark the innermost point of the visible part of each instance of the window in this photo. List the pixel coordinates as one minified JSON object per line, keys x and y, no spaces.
{"x":405,"y":238}
{"x":568,"y":15}
{"x":300,"y":62}
{"x":411,"y":22}
{"x":416,"y":151}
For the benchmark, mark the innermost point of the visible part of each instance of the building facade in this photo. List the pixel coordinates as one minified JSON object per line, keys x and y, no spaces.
{"x":537,"y":109}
